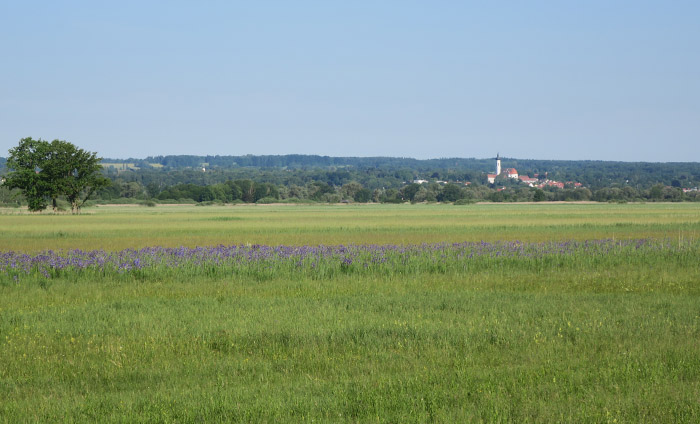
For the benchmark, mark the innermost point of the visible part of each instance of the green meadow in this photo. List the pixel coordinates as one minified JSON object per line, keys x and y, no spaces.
{"x":584,"y":337}
{"x":121,"y":227}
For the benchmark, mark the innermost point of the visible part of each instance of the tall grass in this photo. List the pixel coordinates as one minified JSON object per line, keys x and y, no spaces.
{"x":352,"y":314}
{"x":260,"y":262}
{"x":118,"y":228}
{"x":582,"y":332}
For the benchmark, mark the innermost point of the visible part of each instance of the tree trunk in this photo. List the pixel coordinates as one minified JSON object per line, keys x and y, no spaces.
{"x":74,"y":208}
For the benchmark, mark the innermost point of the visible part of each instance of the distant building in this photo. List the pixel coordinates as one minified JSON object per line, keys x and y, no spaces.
{"x":509,"y":172}
{"x":527,"y":180}
{"x":556,"y":184}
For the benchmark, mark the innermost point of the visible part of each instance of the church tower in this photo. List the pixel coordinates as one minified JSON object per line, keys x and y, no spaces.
{"x":498,"y":164}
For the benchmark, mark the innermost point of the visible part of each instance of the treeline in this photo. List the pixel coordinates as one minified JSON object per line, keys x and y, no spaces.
{"x":309,"y":161}
{"x":249,"y":191}
{"x":387,"y":172}
{"x":308,"y":178}
{"x":592,"y":174}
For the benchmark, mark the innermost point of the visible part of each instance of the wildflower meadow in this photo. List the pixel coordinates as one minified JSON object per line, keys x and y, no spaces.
{"x":578,"y":314}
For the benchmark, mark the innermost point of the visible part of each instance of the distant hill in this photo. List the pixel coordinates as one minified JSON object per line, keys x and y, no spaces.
{"x":253,"y":178}
{"x":304,"y":161}
{"x":316,"y":161}
{"x":269,"y":168}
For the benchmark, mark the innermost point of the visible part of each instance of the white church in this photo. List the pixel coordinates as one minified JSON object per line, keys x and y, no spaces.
{"x":508,"y":172}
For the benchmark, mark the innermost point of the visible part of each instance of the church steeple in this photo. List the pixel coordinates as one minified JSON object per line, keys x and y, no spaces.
{"x":498,"y":164}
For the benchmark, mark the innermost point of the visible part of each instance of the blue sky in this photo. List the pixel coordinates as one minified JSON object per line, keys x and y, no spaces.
{"x":610,"y":80}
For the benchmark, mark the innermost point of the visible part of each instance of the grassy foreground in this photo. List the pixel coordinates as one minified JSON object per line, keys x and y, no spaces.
{"x":554,"y":345}
{"x":588,"y":337}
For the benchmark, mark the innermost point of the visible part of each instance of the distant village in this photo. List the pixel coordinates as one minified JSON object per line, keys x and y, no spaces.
{"x":537,"y":180}
{"x":534,"y":181}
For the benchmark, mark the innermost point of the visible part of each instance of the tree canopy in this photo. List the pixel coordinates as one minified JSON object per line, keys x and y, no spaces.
{"x":292,"y":178}
{"x":45,"y":171}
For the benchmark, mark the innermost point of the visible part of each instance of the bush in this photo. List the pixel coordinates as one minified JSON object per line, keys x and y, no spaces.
{"x":116,"y":201}
{"x":393,"y":200}
{"x":210,"y":203}
{"x":296,"y":200}
{"x":63,"y":205}
{"x":267,"y":200}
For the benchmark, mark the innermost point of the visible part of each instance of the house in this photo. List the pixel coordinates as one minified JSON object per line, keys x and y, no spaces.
{"x":556,"y":184}
{"x":511,"y":173}
{"x":527,"y":180}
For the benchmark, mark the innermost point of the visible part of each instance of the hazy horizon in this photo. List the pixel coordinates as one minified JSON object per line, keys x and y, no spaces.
{"x":504,"y":158}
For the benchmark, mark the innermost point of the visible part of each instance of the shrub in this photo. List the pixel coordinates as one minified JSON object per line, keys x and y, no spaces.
{"x":267,"y":200}
{"x":461,"y":202}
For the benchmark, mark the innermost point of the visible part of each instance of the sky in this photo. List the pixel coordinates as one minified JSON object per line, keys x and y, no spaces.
{"x":600,"y":80}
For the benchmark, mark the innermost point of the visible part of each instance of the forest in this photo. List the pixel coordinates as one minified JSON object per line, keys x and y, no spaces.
{"x":312,"y":178}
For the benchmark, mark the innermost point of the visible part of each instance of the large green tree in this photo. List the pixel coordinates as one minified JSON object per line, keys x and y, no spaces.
{"x":26,"y":162}
{"x":44,"y":171}
{"x":84,"y":176}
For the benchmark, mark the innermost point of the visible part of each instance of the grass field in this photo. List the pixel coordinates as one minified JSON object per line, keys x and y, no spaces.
{"x":122,"y":227}
{"x":608,"y":333}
